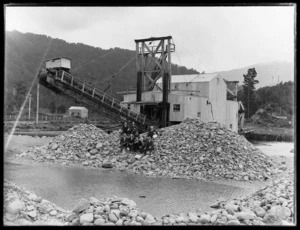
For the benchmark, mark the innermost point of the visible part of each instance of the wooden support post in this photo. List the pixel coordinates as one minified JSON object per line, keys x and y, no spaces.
{"x":62,"y":76}
{"x":112,"y":102}
{"x":236,"y":91}
{"x":142,"y":69}
{"x":169,"y":65}
{"x":103,"y":98}
{"x":93,"y":92}
{"x":83,"y":86}
{"x":37,"y":102}
{"x":72,"y":81}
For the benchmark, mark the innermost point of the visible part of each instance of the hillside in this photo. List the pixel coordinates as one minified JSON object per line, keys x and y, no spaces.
{"x":265,"y":71}
{"x":24,"y":54}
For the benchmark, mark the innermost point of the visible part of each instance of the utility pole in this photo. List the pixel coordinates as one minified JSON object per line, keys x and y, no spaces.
{"x":248,"y":102}
{"x":29,"y":106}
{"x":37,"y":102}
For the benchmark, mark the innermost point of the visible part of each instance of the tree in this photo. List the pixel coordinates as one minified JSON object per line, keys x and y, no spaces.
{"x":248,"y":91}
{"x":61,"y":109}
{"x":52,"y":107}
{"x":19,"y":93}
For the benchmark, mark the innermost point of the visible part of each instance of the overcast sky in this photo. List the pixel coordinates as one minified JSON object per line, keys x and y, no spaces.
{"x":206,"y":38}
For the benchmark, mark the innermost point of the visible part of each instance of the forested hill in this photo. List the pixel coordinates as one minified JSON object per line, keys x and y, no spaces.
{"x":24,"y":52}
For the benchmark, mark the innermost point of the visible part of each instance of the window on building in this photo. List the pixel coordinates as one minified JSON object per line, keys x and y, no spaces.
{"x":176,"y":107}
{"x":199,"y":114}
{"x":230,"y":126}
{"x":176,"y":86}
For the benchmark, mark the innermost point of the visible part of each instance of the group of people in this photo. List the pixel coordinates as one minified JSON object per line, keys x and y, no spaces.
{"x":133,"y":141}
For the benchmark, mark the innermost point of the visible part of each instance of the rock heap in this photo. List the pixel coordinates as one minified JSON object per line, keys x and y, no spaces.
{"x":83,"y":144}
{"x":209,"y":150}
{"x":109,"y":211}
{"x":199,"y":150}
{"x":22,"y":207}
{"x":192,"y":149}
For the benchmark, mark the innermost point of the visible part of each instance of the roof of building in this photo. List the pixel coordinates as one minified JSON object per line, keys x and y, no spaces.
{"x":77,"y":107}
{"x":53,"y":59}
{"x":191,"y":78}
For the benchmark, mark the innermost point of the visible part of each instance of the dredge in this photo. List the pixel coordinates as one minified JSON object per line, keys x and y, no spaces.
{"x":160,"y":99}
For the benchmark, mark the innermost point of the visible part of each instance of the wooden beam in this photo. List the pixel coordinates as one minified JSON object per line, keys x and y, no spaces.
{"x":153,"y":56}
{"x":152,"y":39}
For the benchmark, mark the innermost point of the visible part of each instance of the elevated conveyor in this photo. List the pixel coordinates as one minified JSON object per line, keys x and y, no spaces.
{"x":64,"y":83}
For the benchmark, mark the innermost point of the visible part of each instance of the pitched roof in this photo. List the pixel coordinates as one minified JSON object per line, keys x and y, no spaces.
{"x":77,"y":107}
{"x":191,"y":78}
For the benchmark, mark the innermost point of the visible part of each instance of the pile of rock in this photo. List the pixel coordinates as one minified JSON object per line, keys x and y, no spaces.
{"x":22,"y":207}
{"x":83,"y":144}
{"x":192,"y":149}
{"x":199,"y":150}
{"x":109,"y":211}
{"x":271,"y":205}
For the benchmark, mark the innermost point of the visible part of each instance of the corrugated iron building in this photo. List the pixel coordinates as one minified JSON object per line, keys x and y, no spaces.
{"x":194,"y":95}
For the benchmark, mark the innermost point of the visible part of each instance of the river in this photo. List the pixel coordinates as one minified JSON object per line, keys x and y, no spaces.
{"x":158,"y":196}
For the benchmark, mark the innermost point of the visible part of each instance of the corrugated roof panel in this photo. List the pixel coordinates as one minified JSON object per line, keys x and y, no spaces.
{"x":77,"y":107}
{"x":191,"y":78}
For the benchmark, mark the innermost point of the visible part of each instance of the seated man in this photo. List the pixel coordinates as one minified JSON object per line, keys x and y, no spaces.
{"x":148,"y":145}
{"x":131,"y":142}
{"x":125,"y":128}
{"x":140,"y":144}
{"x":123,"y":142}
{"x":151,"y":133}
{"x":136,"y":142}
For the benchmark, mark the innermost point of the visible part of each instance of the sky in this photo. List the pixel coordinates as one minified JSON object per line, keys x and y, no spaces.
{"x":207,"y":39}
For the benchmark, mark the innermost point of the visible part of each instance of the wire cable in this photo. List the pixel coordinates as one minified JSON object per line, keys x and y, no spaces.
{"x":178,"y":59}
{"x":191,"y":54}
{"x":96,"y":59}
{"x":116,"y":73}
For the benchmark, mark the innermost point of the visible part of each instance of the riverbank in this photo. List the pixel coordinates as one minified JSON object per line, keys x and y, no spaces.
{"x":221,"y":216}
{"x":270,"y":205}
{"x":259,"y":133}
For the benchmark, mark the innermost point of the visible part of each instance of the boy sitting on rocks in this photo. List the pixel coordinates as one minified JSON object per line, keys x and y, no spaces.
{"x":123,"y":142}
{"x":131,"y":142}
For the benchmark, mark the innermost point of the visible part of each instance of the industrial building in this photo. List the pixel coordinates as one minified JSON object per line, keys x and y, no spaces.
{"x":160,"y":99}
{"x":78,"y":111}
{"x":192,"y":95}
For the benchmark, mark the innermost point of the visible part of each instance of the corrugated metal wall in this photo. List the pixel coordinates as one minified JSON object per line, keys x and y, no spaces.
{"x":232,"y":115}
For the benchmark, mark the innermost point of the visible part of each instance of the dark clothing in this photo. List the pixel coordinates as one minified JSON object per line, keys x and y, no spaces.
{"x":148,"y":146}
{"x":133,"y":130}
{"x":125,"y":129}
{"x":151,"y":133}
{"x":131,"y":143}
{"x":136,"y":144}
{"x":241,"y":111}
{"x":123,"y":143}
{"x":140,"y":145}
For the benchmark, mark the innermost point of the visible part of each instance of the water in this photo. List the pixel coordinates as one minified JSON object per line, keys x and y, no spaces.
{"x":65,"y":186}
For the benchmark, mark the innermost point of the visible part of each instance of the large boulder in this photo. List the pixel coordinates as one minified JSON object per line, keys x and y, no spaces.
{"x":86,"y":218}
{"x":15,"y":207}
{"x":280,"y":212}
{"x":82,"y":205}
